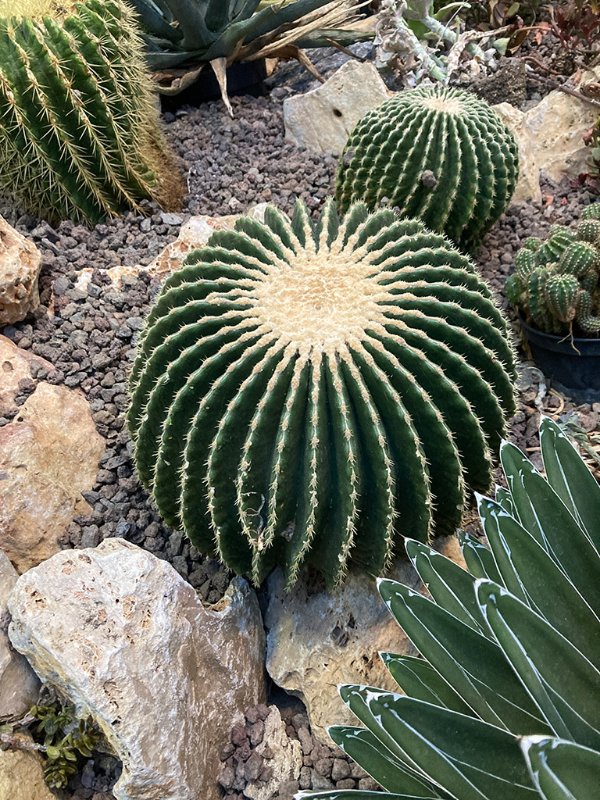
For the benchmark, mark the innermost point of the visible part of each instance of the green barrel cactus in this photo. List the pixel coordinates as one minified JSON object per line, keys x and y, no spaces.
{"x":311,"y":392}
{"x":436,"y":153}
{"x":556,"y":283}
{"x":79,"y":135}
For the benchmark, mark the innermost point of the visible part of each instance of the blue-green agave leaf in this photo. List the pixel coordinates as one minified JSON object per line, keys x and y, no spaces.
{"x":562,"y":770}
{"x":465,"y":757}
{"x":376,"y":760}
{"x":544,"y":515}
{"x":472,"y":664}
{"x":563,"y":683}
{"x":478,"y":558}
{"x":531,"y":575}
{"x":449,"y":585}
{"x":570,"y":478}
{"x":417,"y":678}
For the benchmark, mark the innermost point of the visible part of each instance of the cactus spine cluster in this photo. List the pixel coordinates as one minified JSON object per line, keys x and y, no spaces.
{"x":436,"y":153}
{"x":79,"y":135}
{"x":310,"y":392}
{"x":556,"y":283}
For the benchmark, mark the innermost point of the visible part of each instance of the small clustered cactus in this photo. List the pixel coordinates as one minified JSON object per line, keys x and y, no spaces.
{"x":556,"y":283}
{"x":436,"y":153}
{"x":79,"y":135}
{"x":310,"y":392}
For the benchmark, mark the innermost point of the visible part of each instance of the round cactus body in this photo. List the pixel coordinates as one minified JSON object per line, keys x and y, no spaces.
{"x":591,"y":212}
{"x":562,"y":292}
{"x":588,"y":229}
{"x":80,"y":131}
{"x":578,"y":259}
{"x":310,"y":392}
{"x":555,"y":284}
{"x":436,"y":153}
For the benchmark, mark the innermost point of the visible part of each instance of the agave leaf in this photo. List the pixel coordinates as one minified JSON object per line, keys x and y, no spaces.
{"x":450,"y":586}
{"x":541,"y":512}
{"x":418,"y":679}
{"x":376,"y":760}
{"x":351,"y":794}
{"x":472,"y":664}
{"x":563,"y":683}
{"x":464,"y":756}
{"x":562,"y":770}
{"x":571,"y":479}
{"x":532,"y":576}
{"x":479,"y":559}
{"x":356,"y":698}
{"x":504,"y":499}
{"x":260,"y":24}
{"x":157,"y":20}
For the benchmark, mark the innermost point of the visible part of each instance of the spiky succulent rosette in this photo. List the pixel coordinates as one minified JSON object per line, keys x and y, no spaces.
{"x":312,"y":392}
{"x":436,"y":153}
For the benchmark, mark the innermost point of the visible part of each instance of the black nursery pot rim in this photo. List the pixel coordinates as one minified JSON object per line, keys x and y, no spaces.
{"x":571,"y":363}
{"x":568,"y":345}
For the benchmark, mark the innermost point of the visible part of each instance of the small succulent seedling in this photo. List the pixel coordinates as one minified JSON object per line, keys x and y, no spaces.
{"x":313,"y":392}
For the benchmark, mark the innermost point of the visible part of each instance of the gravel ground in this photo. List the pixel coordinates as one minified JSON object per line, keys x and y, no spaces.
{"x":229,"y":165}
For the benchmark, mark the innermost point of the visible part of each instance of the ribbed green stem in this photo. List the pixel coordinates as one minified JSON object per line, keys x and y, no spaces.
{"x":80,"y":131}
{"x":360,"y":374}
{"x":439,"y":154}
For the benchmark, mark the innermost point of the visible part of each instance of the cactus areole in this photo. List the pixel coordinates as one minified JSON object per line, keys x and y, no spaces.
{"x":436,"y":153}
{"x":312,"y":392}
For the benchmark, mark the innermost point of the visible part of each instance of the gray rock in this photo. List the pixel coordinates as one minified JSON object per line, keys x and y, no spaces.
{"x":124,"y":638}
{"x":20,"y":264}
{"x":322,"y":119}
{"x":22,"y":777}
{"x":319,"y":640}
{"x":19,"y":685}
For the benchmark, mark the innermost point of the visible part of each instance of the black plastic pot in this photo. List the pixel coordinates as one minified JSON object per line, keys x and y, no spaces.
{"x":243,"y":77}
{"x":573,"y":365}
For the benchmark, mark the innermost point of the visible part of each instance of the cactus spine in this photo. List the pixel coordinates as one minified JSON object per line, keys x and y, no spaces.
{"x":556,"y":282}
{"x":311,"y":392}
{"x":436,"y":153}
{"x":79,"y":135}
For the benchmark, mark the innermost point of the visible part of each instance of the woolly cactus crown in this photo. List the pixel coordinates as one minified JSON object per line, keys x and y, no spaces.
{"x":312,"y":392}
{"x":436,"y":153}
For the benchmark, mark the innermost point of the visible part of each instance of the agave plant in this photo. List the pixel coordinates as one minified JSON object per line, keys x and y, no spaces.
{"x":505,"y":701}
{"x":196,"y":32}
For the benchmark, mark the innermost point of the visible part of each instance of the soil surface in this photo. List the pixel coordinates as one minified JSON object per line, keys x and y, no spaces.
{"x":229,"y":165}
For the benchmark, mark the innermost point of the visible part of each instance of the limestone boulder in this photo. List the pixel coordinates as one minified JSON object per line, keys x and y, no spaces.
{"x":49,"y":455}
{"x":122,"y":636}
{"x":17,"y":365}
{"x":550,"y":136}
{"x":22,"y":777}
{"x":19,"y":685}
{"x":322,"y":119}
{"x":318,"y":640}
{"x":20,"y":263}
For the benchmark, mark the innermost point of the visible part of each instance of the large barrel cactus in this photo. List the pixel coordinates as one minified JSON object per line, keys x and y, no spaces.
{"x":311,"y":392}
{"x":440,"y":154}
{"x":79,"y":135}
